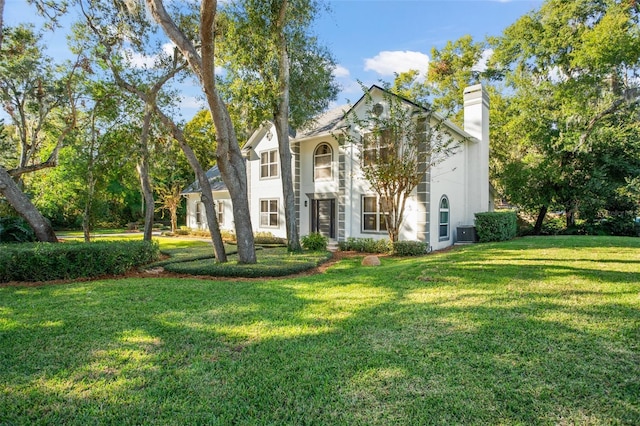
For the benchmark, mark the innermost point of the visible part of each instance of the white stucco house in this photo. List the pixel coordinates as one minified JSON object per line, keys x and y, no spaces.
{"x":333,"y":198}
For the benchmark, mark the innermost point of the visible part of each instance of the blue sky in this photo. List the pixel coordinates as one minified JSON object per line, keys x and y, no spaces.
{"x":373,"y":39}
{"x":370,"y":39}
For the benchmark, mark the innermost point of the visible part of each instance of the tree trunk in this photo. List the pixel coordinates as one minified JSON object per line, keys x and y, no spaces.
{"x":542,"y":213}
{"x":86,"y":217}
{"x":205,"y":186}
{"x":26,"y":209}
{"x":145,"y":179}
{"x":174,"y":218}
{"x":229,"y":157}
{"x":281,"y":118}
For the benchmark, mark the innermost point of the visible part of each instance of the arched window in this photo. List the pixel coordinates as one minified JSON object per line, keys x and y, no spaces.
{"x":444,"y":218}
{"x":322,"y":159}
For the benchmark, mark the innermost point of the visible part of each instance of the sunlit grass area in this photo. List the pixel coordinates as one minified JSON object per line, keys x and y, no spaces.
{"x":532,"y":331}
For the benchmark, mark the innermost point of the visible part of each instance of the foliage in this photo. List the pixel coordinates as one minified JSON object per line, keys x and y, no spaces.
{"x":315,"y":241}
{"x":567,"y":137}
{"x":45,"y":261}
{"x":366,"y":245}
{"x":530,"y":331}
{"x":496,"y":226}
{"x":250,"y":57}
{"x":272,"y":262}
{"x":15,"y":230}
{"x":170,"y":200}
{"x":396,"y":150}
{"x":410,"y":248}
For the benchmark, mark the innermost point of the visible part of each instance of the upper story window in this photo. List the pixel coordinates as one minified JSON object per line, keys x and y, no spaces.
{"x":444,"y":218}
{"x":322,"y":161}
{"x":269,"y":164}
{"x":376,"y":147}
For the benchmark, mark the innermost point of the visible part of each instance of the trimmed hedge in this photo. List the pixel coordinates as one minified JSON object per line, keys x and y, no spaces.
{"x":276,"y":262}
{"x":47,"y":261}
{"x":366,"y":245}
{"x":496,"y":226}
{"x":410,"y":248}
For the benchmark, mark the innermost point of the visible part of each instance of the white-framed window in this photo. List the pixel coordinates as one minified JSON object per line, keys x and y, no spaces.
{"x":376,"y":147}
{"x":220,"y":211}
{"x":269,"y":164}
{"x":444,"y":218}
{"x":269,"y":215}
{"x":199,"y":208}
{"x":322,"y":162}
{"x":372,"y":217}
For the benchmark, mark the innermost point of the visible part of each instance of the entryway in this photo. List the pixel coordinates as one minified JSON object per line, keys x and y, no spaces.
{"x":323,"y":217}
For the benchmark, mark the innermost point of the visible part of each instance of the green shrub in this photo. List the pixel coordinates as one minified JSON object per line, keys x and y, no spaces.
{"x":47,"y":261}
{"x":366,"y":245}
{"x":410,"y":248}
{"x":14,"y":229}
{"x":315,"y":241}
{"x":182,"y":231}
{"x":553,"y":225}
{"x":268,"y":238}
{"x":496,"y":226}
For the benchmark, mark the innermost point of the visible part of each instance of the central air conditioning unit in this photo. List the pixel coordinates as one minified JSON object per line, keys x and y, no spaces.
{"x":466,"y":234}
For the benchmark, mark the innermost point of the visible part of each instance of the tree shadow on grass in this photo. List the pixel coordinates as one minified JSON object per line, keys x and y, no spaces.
{"x":354,"y":346}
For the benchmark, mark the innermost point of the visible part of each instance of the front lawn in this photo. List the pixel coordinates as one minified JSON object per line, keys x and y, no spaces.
{"x":532,"y":331}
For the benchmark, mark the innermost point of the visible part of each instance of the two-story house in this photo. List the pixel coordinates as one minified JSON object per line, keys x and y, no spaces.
{"x":333,"y":198}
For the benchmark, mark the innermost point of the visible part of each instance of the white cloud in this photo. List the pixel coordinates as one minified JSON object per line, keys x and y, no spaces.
{"x":387,"y":63}
{"x":192,"y":102}
{"x":340,"y":71}
{"x":139,"y":60}
{"x":481,"y":65}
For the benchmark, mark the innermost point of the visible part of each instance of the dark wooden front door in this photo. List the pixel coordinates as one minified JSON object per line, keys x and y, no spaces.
{"x":323,"y":217}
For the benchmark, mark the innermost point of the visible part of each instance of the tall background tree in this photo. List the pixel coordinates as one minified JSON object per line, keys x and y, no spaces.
{"x":569,"y":139}
{"x":276,"y":70}
{"x":201,"y":61}
{"x":41,"y":100}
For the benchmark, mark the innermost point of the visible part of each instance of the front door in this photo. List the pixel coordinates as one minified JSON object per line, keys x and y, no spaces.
{"x":323,"y":217}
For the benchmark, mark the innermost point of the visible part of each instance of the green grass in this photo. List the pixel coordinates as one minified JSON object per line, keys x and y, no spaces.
{"x":532,"y":331}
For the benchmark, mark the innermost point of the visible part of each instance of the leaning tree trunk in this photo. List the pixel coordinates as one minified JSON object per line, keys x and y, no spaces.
{"x":282,"y":130}
{"x":230,"y":160}
{"x":205,"y":186}
{"x":542,"y":213}
{"x":26,"y":209}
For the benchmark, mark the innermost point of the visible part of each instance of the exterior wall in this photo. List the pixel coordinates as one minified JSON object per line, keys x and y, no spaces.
{"x":265,"y":188}
{"x":449,"y":179}
{"x":191,"y":219}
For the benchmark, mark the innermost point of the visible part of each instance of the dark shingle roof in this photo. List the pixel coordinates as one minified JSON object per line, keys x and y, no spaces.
{"x":213,"y":174}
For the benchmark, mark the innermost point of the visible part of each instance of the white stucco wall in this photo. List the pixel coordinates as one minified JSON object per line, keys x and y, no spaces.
{"x":265,"y":188}
{"x":218,"y":196}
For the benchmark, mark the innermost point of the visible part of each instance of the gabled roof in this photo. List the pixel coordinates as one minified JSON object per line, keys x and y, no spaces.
{"x":325,"y":123}
{"x":335,"y":119}
{"x":213,"y":174}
